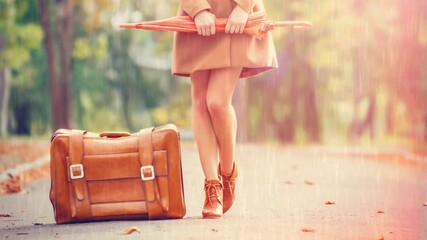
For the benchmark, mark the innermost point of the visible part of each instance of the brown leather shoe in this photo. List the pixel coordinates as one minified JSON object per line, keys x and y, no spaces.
{"x":229,"y":185}
{"x":213,"y":199}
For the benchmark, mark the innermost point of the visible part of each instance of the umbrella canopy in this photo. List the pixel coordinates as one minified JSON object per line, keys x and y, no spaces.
{"x":257,"y":25}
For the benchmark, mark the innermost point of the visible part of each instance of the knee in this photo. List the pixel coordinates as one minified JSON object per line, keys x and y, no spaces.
{"x":217,"y":106}
{"x":199,"y":103}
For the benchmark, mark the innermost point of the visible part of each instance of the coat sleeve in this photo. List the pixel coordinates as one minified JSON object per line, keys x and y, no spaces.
{"x":247,"y":5}
{"x":192,"y":7}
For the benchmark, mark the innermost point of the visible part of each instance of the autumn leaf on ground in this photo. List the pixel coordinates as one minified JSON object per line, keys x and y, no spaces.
{"x":425,"y":204}
{"x":12,"y":185}
{"x":380,"y":211}
{"x":309,"y":182}
{"x":382,"y":237}
{"x":5,"y":215}
{"x":131,"y":230}
{"x":308,"y":230}
{"x":288,"y":182}
{"x":329,"y":202}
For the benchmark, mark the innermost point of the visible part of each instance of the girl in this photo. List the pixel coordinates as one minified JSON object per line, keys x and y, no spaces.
{"x":214,"y":62}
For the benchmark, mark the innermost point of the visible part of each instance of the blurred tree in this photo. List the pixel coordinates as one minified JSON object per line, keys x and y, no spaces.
{"x":137,"y":90}
{"x":365,"y":80}
{"x":58,"y":119}
{"x":290,"y":109}
{"x":65,"y":27}
{"x":118,"y":79}
{"x":407,"y":84}
{"x":423,"y":42}
{"x":60,"y":87}
{"x":23,"y":35}
{"x":358,"y":72}
{"x":5,"y":83}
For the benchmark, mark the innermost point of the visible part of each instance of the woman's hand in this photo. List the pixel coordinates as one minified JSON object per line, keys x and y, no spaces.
{"x":237,"y":20}
{"x":205,"y":23}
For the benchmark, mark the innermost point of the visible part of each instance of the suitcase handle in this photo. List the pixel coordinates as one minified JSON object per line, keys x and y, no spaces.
{"x":114,"y":134}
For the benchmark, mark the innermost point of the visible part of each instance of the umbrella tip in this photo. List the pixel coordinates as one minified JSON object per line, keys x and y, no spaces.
{"x":303,"y":26}
{"x":127,"y":25}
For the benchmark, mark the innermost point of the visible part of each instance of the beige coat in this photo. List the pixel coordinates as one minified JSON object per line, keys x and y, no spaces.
{"x":192,"y":52}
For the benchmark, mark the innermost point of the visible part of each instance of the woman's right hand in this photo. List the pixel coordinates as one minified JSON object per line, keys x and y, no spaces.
{"x":205,"y":23}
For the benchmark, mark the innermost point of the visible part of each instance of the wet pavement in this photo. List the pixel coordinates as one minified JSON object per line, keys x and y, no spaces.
{"x":281,"y":194}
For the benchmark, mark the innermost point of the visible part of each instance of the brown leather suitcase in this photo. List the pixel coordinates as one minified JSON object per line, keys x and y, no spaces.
{"x":116,"y":175}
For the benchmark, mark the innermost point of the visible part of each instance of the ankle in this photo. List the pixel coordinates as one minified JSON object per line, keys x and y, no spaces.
{"x":226,"y":172}
{"x":213,"y":179}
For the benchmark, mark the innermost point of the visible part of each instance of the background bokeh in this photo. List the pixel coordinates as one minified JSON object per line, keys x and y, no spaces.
{"x":357,"y":77}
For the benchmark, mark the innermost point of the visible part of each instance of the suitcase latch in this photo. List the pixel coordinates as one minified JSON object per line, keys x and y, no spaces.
{"x":78,"y":169}
{"x":149,"y":169}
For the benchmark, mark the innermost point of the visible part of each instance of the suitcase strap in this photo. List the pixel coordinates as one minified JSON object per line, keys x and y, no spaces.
{"x":151,"y":189}
{"x":81,"y":200}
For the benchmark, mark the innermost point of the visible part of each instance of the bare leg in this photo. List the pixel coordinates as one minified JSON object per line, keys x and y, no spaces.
{"x":221,"y":85}
{"x":202,"y":125}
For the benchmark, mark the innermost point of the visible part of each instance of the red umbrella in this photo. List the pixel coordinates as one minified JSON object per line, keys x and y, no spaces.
{"x":257,"y":25}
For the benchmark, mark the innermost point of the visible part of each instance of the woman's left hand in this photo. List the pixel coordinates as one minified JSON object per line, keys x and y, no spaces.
{"x":237,"y":20}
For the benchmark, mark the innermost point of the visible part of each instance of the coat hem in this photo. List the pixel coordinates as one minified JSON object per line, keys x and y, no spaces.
{"x":246,"y":71}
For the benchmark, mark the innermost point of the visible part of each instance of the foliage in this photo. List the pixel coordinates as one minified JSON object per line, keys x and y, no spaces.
{"x":350,"y":77}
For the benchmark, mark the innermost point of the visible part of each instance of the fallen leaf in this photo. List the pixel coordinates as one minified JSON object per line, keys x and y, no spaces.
{"x":382,"y":237}
{"x":329,"y":202}
{"x":214,"y":230}
{"x":131,"y":230}
{"x":288,"y":182}
{"x":37,"y":224}
{"x":380,"y":211}
{"x":425,"y":204}
{"x":5,"y":215}
{"x":308,"y":230}
{"x":20,"y":152}
{"x":308,"y":182}
{"x":12,"y":185}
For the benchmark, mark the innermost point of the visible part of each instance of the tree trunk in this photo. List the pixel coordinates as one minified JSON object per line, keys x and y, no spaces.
{"x":23,"y":122}
{"x":371,"y":115}
{"x":5,"y":79}
{"x":425,"y":128}
{"x":65,"y":36}
{"x":127,"y":113}
{"x":5,"y":82}
{"x":287,"y":126}
{"x":389,"y":117}
{"x":54,"y":84}
{"x":312,"y":124}
{"x":409,"y":81}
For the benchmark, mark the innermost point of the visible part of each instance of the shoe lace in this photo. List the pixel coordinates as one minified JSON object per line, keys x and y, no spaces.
{"x":215,"y":194}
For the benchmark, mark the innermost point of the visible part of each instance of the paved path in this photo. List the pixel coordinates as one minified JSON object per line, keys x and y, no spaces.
{"x":281,"y":191}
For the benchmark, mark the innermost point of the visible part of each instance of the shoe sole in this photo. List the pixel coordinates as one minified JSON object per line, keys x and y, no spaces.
{"x":211,"y":216}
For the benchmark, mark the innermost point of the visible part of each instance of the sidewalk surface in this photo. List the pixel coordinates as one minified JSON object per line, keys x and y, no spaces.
{"x":281,"y":194}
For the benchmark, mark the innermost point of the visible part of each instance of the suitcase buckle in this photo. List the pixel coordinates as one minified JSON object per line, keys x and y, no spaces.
{"x":149,"y":167}
{"x":78,"y":167}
